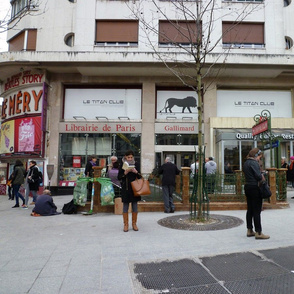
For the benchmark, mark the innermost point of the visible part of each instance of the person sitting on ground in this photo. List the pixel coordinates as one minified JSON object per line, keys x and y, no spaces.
{"x":44,"y":205}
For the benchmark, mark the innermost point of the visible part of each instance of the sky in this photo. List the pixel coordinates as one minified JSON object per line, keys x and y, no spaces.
{"x":4,"y":7}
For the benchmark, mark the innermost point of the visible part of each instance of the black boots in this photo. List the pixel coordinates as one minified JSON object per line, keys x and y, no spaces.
{"x":16,"y":205}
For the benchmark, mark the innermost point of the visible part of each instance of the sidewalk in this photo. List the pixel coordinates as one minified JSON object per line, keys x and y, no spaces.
{"x":91,"y":253}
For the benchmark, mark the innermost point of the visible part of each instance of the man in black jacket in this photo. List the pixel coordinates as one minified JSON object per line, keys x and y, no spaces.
{"x":169,"y":172}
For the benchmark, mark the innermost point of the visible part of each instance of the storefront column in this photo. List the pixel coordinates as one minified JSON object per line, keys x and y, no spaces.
{"x":148,"y":131}
{"x":282,"y":183}
{"x":272,"y":184}
{"x":186,"y":185}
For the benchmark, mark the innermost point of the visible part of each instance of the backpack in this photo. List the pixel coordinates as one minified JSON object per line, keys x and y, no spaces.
{"x":70,"y":208}
{"x":40,"y":177}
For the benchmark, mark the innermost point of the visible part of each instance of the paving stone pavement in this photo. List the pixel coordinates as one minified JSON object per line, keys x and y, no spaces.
{"x":91,"y":254}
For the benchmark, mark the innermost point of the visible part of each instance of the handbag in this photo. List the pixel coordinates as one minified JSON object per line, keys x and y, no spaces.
{"x":265,"y":190}
{"x":141,"y":187}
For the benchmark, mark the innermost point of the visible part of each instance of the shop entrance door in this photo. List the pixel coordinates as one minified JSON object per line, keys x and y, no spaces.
{"x":180,"y":159}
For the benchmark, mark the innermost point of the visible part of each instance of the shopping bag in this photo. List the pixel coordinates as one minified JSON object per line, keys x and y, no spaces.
{"x":80,"y":191}
{"x":106,"y":192}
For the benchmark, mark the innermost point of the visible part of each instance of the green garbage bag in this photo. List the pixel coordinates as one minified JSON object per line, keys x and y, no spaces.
{"x":81,"y":191}
{"x":107,"y":191}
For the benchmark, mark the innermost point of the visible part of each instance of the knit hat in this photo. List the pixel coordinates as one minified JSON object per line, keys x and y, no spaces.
{"x":254,"y":152}
{"x":292,"y":158}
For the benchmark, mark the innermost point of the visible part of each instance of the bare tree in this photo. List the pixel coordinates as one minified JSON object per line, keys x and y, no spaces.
{"x":182,"y":34}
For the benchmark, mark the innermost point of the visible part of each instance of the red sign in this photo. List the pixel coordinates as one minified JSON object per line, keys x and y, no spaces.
{"x":261,"y":127}
{"x":76,"y":161}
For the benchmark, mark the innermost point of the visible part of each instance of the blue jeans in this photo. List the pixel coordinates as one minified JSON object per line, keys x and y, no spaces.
{"x":17,"y":194}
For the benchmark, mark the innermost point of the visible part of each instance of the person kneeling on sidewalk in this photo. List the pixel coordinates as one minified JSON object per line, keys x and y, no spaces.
{"x":44,"y":205}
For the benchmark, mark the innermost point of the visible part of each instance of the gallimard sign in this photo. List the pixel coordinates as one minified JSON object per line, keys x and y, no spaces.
{"x":176,"y":128}
{"x":100,"y":127}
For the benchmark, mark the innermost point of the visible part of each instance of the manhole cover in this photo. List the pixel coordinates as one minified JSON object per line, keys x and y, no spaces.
{"x":215,"y":222}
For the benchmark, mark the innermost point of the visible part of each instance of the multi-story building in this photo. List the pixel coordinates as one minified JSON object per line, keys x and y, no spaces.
{"x":82,"y":78}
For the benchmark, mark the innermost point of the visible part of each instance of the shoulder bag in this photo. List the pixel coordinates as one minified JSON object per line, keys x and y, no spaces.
{"x":141,"y":187}
{"x":265,"y":190}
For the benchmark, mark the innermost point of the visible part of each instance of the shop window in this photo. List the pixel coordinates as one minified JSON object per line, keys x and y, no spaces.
{"x":243,"y":35}
{"x":69,"y":39}
{"x":24,"y":41}
{"x":176,"y":139}
{"x":179,"y":32}
{"x":288,"y":42}
{"x":75,"y":149}
{"x":117,"y":32}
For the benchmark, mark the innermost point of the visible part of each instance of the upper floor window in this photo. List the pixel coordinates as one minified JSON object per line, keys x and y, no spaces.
{"x":243,"y":35}
{"x":69,"y":39}
{"x":24,"y":41}
{"x":179,"y":32}
{"x":287,"y":3}
{"x":117,"y":32}
{"x":18,"y":6}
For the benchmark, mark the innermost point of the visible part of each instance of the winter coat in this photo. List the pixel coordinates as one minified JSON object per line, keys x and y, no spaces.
{"x":252,"y":172}
{"x":210,"y":167}
{"x":18,"y":175}
{"x":290,"y":172}
{"x":127,"y":193}
{"x":44,"y":205}
{"x":169,"y":172}
{"x":33,"y":171}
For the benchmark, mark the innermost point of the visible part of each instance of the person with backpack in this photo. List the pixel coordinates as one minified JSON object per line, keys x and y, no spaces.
{"x":32,"y":182}
{"x":17,"y":181}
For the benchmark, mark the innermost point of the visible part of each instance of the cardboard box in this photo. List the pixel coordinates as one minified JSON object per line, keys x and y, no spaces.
{"x":118,"y":206}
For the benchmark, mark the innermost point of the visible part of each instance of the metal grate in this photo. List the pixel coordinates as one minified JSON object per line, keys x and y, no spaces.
{"x":165,"y":275}
{"x":282,"y":284}
{"x":281,"y":256}
{"x":233,"y":267}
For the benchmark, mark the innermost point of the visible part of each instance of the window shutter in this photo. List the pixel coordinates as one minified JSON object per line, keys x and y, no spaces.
{"x":117,"y":31}
{"x":243,"y":33}
{"x":17,"y":43}
{"x":32,"y":40}
{"x":179,"y":32}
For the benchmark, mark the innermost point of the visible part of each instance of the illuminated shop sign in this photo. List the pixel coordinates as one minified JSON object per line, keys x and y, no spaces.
{"x":95,"y":104}
{"x":100,"y":127}
{"x":23,"y":78}
{"x":249,"y":136}
{"x":176,"y":128}
{"x":24,"y":101}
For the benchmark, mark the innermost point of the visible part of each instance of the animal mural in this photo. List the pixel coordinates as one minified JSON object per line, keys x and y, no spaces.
{"x":187,"y":102}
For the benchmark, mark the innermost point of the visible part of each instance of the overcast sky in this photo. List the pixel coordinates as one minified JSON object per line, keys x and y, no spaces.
{"x":4,"y":7}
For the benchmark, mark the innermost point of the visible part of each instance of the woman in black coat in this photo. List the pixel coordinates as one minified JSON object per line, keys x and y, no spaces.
{"x":126,"y":176}
{"x":32,"y":182}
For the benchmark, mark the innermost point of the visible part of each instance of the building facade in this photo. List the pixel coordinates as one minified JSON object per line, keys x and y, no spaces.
{"x":89,"y":77}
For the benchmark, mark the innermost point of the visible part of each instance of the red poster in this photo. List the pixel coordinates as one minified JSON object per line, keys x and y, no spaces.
{"x":76,"y":161}
{"x":28,"y":135}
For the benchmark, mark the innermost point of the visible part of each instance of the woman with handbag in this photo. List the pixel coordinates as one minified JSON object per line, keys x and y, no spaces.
{"x":253,"y":176}
{"x":129,"y":172}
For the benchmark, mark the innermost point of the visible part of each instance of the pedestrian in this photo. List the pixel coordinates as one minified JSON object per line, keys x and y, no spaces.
{"x":89,"y":172}
{"x":284,"y":163}
{"x":253,"y":176}
{"x":169,"y":171}
{"x":210,"y":168}
{"x":126,"y":176}
{"x":32,"y":183}
{"x":10,"y":190}
{"x":113,"y":159}
{"x":290,"y":172}
{"x":194,"y":168}
{"x":17,"y":181}
{"x":44,"y":205}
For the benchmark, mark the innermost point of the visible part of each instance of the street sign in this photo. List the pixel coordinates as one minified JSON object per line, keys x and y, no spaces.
{"x":260,"y":128}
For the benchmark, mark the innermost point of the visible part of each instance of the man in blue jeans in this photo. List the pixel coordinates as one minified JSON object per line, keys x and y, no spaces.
{"x":169,"y":172}
{"x":17,"y":181}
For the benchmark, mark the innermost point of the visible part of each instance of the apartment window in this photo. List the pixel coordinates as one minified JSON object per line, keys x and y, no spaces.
{"x":24,"y":41}
{"x":18,"y":6}
{"x":69,"y":39}
{"x":288,"y":42}
{"x":117,"y":32}
{"x":243,"y":35}
{"x":179,"y":32}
